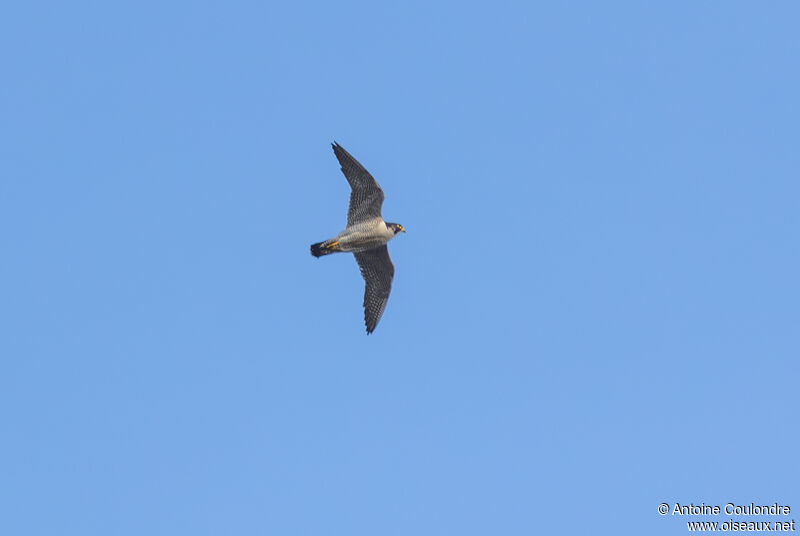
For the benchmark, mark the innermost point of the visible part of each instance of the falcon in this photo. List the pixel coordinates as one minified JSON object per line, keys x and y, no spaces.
{"x":365,"y":236}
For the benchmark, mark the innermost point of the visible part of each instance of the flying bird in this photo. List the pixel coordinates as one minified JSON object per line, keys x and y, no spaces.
{"x":365,"y":236}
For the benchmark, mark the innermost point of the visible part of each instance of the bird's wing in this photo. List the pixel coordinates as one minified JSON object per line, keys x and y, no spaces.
{"x":366,"y":197}
{"x":377,"y":270}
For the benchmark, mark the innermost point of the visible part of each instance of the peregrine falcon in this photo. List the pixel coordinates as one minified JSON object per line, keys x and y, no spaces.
{"x":365,"y":236}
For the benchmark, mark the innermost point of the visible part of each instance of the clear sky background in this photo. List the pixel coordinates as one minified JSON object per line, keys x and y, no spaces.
{"x":596,"y":306}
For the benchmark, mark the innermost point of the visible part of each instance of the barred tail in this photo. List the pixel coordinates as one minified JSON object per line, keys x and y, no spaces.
{"x":325,"y":248}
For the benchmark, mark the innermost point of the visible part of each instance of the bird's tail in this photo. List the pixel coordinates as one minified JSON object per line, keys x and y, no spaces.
{"x":325,"y":248}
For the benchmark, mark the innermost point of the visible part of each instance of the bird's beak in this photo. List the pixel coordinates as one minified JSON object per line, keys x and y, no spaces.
{"x":403,"y":229}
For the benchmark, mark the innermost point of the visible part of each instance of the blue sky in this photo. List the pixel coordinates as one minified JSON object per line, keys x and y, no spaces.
{"x":596,"y":306}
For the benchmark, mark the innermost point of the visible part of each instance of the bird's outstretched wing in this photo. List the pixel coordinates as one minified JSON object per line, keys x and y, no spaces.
{"x":377,"y":270}
{"x":366,"y":197}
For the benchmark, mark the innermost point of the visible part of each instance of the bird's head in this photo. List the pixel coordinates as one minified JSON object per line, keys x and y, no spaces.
{"x":396,"y":227}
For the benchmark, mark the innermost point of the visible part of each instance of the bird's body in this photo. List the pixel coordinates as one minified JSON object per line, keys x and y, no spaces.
{"x":362,"y":236}
{"x":366,"y":236}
